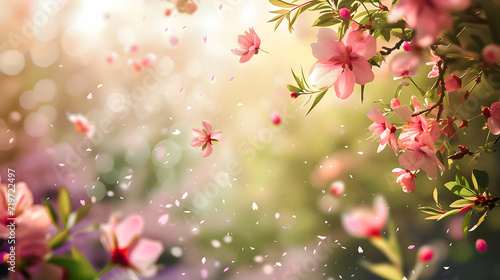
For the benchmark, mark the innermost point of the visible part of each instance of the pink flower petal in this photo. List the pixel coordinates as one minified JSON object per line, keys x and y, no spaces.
{"x":362,"y":43}
{"x":207,"y":151}
{"x":362,"y":70}
{"x":217,"y":135}
{"x":130,"y":228}
{"x":197,"y":142}
{"x":324,"y":74}
{"x":144,"y":254}
{"x":344,"y":85}
{"x":207,"y":126}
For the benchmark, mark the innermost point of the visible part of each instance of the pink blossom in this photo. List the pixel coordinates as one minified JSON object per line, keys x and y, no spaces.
{"x":405,"y":65}
{"x":82,"y":124}
{"x":275,"y":118}
{"x":345,"y":13}
{"x":395,"y":103}
{"x":405,"y":179}
{"x":136,"y":66}
{"x":494,"y":120}
{"x":481,"y":245}
{"x":148,"y":60}
{"x":111,"y":57}
{"x":205,"y":138}
{"x":425,"y":254}
{"x":453,"y":83}
{"x":128,"y":249}
{"x":131,"y":48}
{"x":383,"y":128}
{"x":421,"y":155}
{"x":365,"y":222}
{"x":249,"y":45}
{"x":337,"y":188}
{"x":344,"y":63}
{"x":491,"y":53}
{"x":31,"y":224}
{"x":428,"y":18}
{"x":416,"y":125}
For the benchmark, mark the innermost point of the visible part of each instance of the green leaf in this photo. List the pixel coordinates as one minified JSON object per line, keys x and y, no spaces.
{"x":448,"y":214}
{"x":275,"y":18}
{"x":362,"y":92}
{"x":278,"y":12}
{"x":459,"y":190}
{"x":278,"y":23}
{"x":80,"y":213}
{"x":465,"y":223}
{"x":398,"y":90}
{"x":80,"y":257}
{"x":59,"y":239}
{"x":52,"y":212}
{"x":75,"y":268}
{"x":317,"y":100}
{"x":384,"y":270}
{"x":64,"y":205}
{"x":298,"y":80}
{"x":304,"y":77}
{"x":326,"y":19}
{"x":481,"y":220}
{"x":292,"y":88}
{"x":480,"y":180}
{"x":430,"y":210}
{"x":393,"y":239}
{"x":435,"y":196}
{"x":282,"y":4}
{"x":461,"y":203}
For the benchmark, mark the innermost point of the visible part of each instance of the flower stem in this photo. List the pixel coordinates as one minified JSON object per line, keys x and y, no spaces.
{"x":421,"y":90}
{"x":417,"y":271}
{"x":385,"y":248}
{"x":263,"y":50}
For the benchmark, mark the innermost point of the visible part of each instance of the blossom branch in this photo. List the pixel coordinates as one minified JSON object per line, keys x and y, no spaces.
{"x":388,"y":51}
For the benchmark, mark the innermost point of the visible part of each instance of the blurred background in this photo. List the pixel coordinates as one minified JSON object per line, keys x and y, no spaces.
{"x":259,"y":207}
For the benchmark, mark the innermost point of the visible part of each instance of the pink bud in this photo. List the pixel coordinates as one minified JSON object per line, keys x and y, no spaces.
{"x":149,"y":60}
{"x":491,"y":53}
{"x":136,"y":66}
{"x":275,"y":118}
{"x":131,"y":48}
{"x":403,"y":83}
{"x":395,"y":103}
{"x":111,"y":57}
{"x":337,"y":188}
{"x":407,"y":46}
{"x":344,"y":13}
{"x":168,"y":12}
{"x":453,"y":83}
{"x":425,"y":254}
{"x":481,"y":245}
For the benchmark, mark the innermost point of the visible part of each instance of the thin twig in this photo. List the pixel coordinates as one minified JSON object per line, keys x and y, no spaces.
{"x":388,"y":51}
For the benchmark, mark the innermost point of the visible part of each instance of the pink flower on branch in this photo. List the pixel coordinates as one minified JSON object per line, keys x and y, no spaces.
{"x":405,"y":179}
{"x":249,"y":45}
{"x":342,"y":64}
{"x":421,"y":155}
{"x":494,"y":118}
{"x":366,"y":222}
{"x":383,"y":128}
{"x":429,"y":18}
{"x":405,"y":65}
{"x":205,"y":139}
{"x":128,"y":249}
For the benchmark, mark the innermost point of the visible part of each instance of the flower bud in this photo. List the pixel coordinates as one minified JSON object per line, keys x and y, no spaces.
{"x":491,"y":53}
{"x":425,"y":254}
{"x":481,"y":245}
{"x":453,"y":83}
{"x":168,"y":12}
{"x":344,"y":13}
{"x":275,"y":118}
{"x":407,"y":46}
{"x":294,"y":94}
{"x":337,"y":188}
{"x":486,"y":112}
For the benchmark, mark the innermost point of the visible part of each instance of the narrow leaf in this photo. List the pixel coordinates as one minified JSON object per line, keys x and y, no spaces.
{"x":64,"y":205}
{"x":59,"y":239}
{"x":459,"y":190}
{"x":435,"y":196}
{"x":316,"y":100}
{"x":448,"y":214}
{"x":480,"y":180}
{"x":384,"y":270}
{"x":52,"y":212}
{"x":282,"y":4}
{"x":362,"y":92}
{"x":481,"y":220}
{"x":461,"y":203}
{"x":465,"y":224}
